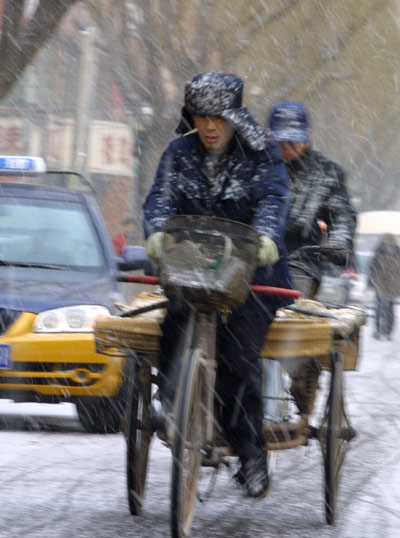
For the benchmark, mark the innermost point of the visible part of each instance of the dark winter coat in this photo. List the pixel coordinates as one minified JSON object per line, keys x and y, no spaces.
{"x":318,"y":192}
{"x":384,"y":271}
{"x":249,"y":186}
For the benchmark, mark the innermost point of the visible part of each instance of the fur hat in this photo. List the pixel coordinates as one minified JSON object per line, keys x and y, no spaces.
{"x":220,"y":94}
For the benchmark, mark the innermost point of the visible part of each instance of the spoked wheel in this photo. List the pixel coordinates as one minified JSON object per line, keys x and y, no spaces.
{"x":138,"y":433}
{"x":188,"y":443}
{"x":335,"y":432}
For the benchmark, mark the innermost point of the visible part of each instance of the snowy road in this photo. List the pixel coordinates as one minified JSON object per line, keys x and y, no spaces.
{"x":59,"y":482}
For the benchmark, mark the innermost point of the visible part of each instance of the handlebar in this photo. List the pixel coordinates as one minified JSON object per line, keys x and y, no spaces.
{"x":337,"y":254}
{"x":257,"y":289}
{"x":323,"y":249}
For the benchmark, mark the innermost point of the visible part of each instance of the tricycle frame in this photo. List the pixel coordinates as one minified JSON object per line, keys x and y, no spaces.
{"x":333,"y":433}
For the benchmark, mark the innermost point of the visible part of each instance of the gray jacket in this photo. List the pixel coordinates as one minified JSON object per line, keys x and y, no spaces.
{"x":318,"y":191}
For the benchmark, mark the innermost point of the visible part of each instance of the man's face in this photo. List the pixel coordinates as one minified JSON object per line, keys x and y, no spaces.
{"x":215,"y":133}
{"x":293,"y":150}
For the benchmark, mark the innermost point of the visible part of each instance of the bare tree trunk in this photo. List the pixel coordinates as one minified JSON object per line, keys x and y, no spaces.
{"x":19,"y":42}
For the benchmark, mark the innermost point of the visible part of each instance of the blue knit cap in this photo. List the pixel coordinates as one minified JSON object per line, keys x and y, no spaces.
{"x":289,"y":122}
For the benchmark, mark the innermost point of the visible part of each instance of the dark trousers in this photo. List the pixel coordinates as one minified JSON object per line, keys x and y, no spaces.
{"x":384,"y":316}
{"x":239,"y":386}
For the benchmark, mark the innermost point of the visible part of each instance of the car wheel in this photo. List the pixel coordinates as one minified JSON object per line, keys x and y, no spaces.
{"x":100,"y":415}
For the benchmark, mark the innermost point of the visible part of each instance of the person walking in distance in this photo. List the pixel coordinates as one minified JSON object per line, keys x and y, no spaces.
{"x":125,"y":237}
{"x":384,"y":277}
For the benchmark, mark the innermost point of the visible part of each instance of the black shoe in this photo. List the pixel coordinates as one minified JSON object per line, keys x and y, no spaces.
{"x":254,"y":473}
{"x":239,"y":478}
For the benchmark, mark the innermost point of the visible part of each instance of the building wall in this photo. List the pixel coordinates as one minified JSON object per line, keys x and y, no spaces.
{"x":43,"y":116}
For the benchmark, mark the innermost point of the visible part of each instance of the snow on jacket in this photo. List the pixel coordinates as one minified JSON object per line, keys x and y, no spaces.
{"x":318,"y":192}
{"x":243,"y":185}
{"x":384,"y":271}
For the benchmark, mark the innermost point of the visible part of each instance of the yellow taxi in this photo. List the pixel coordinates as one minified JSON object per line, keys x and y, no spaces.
{"x":58,"y":274}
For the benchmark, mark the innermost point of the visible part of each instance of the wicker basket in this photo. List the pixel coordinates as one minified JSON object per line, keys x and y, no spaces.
{"x":140,"y":333}
{"x":295,"y":338}
{"x":294,"y":334}
{"x":350,"y":347}
{"x":291,"y":335}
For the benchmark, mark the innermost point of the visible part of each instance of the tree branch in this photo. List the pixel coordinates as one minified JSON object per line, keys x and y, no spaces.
{"x":258,"y":22}
{"x":11,"y":19}
{"x":19,"y":44}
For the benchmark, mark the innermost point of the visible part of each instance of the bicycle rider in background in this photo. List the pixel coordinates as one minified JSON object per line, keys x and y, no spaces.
{"x":225,"y":167}
{"x":321,"y":211}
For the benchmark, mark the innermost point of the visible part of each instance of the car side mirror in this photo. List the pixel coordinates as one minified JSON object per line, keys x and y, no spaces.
{"x":133,"y":257}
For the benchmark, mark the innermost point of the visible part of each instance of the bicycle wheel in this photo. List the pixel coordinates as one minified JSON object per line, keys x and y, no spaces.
{"x":138,"y":434}
{"x":335,"y":434}
{"x":188,"y":442}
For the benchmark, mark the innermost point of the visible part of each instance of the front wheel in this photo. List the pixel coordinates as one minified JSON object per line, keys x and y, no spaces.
{"x":189,"y":440}
{"x":335,"y":433}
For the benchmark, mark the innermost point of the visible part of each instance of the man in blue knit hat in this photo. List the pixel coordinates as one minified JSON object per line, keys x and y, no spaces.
{"x":321,"y":209}
{"x":321,"y":212}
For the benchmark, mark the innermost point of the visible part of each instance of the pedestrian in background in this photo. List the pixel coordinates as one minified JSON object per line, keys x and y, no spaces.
{"x":125,"y":237}
{"x":384,"y":277}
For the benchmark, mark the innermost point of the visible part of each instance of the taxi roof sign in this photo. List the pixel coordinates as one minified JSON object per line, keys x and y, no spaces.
{"x":17,"y":165}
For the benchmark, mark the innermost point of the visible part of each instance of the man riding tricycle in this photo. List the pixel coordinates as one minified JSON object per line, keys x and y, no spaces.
{"x":215,"y":220}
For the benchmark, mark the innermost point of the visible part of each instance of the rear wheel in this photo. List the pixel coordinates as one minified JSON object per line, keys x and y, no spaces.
{"x":335,"y":433}
{"x":189,"y":440}
{"x":138,"y":434}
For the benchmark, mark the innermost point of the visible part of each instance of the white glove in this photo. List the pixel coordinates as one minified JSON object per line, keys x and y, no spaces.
{"x":268,"y":251}
{"x":154,"y":246}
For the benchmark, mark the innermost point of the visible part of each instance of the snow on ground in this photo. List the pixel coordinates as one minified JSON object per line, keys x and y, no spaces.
{"x":58,"y":481}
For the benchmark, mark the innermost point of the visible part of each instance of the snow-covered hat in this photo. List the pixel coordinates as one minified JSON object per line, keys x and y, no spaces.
{"x":220,"y":94}
{"x":289,"y":122}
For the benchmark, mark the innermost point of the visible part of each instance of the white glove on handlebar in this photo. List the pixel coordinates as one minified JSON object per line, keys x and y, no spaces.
{"x":268,"y":252}
{"x":155,"y":245}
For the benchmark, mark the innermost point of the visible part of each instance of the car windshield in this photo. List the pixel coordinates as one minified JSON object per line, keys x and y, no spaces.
{"x":48,"y":233}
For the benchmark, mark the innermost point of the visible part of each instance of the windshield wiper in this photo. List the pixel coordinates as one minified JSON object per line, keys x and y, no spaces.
{"x":34,"y":265}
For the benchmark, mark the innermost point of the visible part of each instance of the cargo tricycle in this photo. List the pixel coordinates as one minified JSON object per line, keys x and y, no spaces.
{"x":210,"y":264}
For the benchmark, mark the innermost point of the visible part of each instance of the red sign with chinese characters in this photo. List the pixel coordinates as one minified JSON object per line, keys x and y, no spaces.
{"x":111,"y":148}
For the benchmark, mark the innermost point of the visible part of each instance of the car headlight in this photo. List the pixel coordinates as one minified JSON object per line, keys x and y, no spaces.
{"x":69,"y":319}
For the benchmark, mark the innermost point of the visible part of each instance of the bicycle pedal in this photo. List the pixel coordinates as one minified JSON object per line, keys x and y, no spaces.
{"x":215,"y":460}
{"x":314,"y":432}
{"x":168,"y":443}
